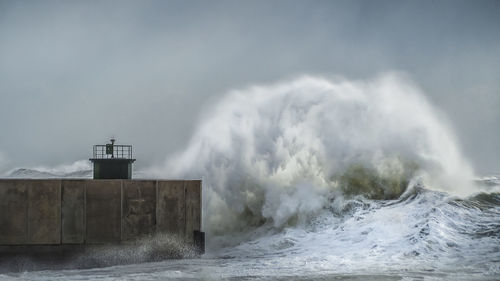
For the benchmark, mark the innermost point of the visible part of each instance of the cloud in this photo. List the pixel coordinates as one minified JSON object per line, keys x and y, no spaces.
{"x":75,"y":73}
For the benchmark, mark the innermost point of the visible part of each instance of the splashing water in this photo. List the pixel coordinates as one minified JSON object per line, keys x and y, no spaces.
{"x":293,"y":174}
{"x":277,"y":153}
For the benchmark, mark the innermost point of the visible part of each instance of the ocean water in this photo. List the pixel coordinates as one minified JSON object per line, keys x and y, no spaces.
{"x":423,"y":235}
{"x":316,"y":179}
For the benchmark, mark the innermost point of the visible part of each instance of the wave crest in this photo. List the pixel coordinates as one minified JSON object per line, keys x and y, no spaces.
{"x":278,"y":153}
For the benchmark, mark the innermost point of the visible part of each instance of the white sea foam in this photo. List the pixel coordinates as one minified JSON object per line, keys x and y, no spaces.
{"x":78,"y":169}
{"x":278,"y":152}
{"x":278,"y":165}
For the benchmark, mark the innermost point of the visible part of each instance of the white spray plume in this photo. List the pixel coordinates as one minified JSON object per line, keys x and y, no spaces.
{"x":80,"y":168}
{"x":80,"y":165}
{"x":273,"y":153}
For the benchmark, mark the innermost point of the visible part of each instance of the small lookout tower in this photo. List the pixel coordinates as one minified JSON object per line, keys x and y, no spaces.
{"x":112,"y":161}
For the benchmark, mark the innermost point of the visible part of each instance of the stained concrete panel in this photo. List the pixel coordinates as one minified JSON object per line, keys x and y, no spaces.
{"x":44,"y":211}
{"x":73,"y":211}
{"x":13,"y":212}
{"x":171,"y":207}
{"x":139,"y":208}
{"x":193,"y":208}
{"x":103,"y":211}
{"x":48,"y":212}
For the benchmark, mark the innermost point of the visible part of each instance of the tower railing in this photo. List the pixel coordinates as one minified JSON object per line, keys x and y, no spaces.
{"x":115,"y":152}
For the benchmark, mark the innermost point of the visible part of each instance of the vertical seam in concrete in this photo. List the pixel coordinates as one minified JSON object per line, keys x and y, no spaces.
{"x":27,"y":224}
{"x":201,"y":206}
{"x":85,"y":212}
{"x":60,"y":213}
{"x":156,"y":208}
{"x":185,"y":210}
{"x":121,"y":210}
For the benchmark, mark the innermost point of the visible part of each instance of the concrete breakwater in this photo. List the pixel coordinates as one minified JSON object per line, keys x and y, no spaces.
{"x":68,"y":213}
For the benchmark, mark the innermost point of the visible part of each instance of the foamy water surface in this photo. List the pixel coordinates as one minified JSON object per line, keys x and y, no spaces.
{"x":323,"y":180}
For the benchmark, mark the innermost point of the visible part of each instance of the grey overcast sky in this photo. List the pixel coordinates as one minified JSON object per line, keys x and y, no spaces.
{"x":73,"y":73}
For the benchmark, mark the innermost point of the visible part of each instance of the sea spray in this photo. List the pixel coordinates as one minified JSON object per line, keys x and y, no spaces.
{"x":77,"y":169}
{"x":311,"y":192}
{"x":277,"y":153}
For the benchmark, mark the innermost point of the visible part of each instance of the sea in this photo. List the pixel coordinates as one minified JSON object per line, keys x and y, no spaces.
{"x":315,"y":179}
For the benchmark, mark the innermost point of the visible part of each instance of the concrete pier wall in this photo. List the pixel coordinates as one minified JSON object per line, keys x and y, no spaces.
{"x":65,"y":211}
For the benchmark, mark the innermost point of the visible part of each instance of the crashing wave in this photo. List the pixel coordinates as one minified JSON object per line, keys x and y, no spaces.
{"x":29,"y":173}
{"x":279,"y":153}
{"x":489,"y":181}
{"x":78,"y":169}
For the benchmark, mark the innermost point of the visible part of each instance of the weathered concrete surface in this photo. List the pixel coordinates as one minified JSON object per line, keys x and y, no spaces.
{"x":79,"y":212}
{"x":13,"y":212}
{"x":171,"y":208}
{"x":73,"y":211}
{"x":193,"y":208}
{"x":103,"y":211}
{"x":44,"y":212}
{"x":139,"y":206}
{"x":30,"y":212}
